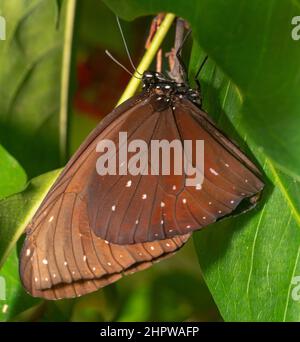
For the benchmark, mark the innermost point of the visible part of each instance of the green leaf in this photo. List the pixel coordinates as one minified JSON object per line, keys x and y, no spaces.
{"x":80,"y":127}
{"x":15,"y":300}
{"x":12,"y":297}
{"x":95,"y":17}
{"x":250,"y":262}
{"x":251,"y":42}
{"x":15,"y":213}
{"x":34,"y":81}
{"x":17,"y":210}
{"x":12,"y":176}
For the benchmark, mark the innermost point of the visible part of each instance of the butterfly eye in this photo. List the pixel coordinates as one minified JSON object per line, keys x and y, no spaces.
{"x":160,"y":77}
{"x":148,"y":75}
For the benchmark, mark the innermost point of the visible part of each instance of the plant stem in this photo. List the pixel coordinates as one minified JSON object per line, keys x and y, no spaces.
{"x":65,"y":78}
{"x":148,"y":57}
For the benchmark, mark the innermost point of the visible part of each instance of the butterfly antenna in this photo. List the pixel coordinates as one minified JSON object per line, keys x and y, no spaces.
{"x":126,"y":47}
{"x":120,"y":64}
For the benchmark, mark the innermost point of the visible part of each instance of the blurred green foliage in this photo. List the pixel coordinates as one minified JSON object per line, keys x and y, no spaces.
{"x":30,"y":59}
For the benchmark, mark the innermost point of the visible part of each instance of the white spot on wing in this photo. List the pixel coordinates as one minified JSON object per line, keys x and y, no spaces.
{"x":51,"y":219}
{"x":128,"y":184}
{"x":144,"y":196}
{"x":152,"y":248}
{"x":162,"y":204}
{"x":28,"y":252}
{"x":113,"y":208}
{"x":213,"y":171}
{"x":184,"y":201}
{"x":45,"y":261}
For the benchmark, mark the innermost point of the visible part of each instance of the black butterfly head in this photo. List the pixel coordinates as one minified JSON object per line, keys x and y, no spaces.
{"x":153,"y":78}
{"x":169,"y":88}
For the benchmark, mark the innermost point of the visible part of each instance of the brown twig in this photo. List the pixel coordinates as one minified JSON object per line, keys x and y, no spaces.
{"x":153,"y":28}
{"x":171,"y":58}
{"x":176,"y":72}
{"x":159,"y":60}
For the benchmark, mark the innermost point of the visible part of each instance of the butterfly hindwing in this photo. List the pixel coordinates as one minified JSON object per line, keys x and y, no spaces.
{"x":63,"y":258}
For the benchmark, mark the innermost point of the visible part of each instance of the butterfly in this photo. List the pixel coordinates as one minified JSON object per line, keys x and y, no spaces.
{"x":91,"y":229}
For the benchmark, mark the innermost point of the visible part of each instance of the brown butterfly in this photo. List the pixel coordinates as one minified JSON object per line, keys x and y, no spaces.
{"x":91,"y":229}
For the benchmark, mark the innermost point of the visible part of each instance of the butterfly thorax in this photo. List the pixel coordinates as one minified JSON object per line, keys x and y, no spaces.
{"x":168,"y":90}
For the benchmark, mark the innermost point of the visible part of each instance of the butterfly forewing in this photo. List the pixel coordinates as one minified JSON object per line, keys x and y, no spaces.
{"x":144,"y":208}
